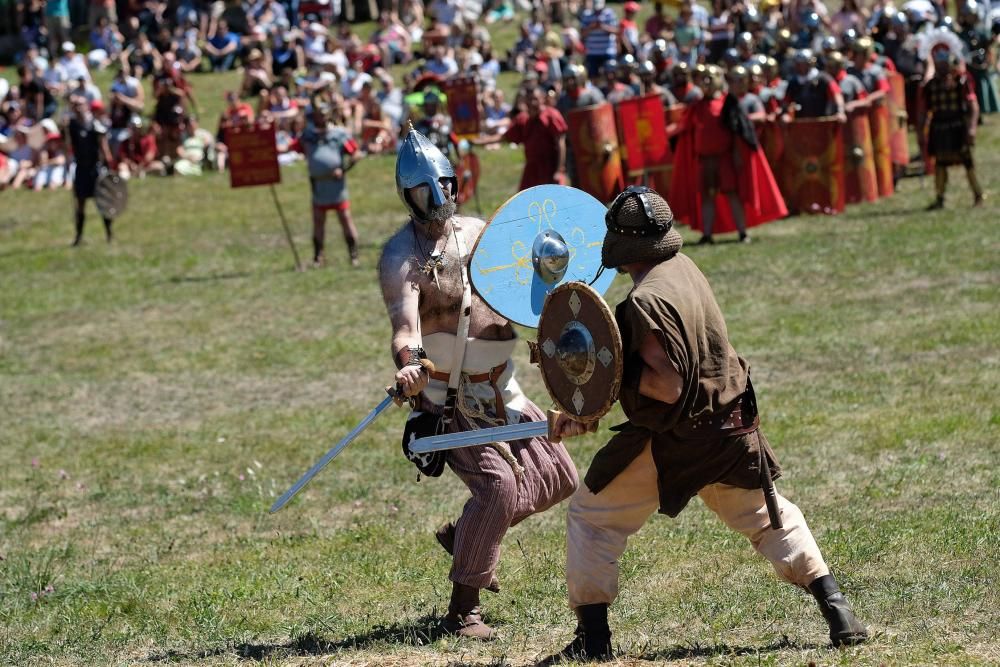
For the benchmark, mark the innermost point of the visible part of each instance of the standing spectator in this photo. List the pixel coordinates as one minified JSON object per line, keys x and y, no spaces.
{"x":629,"y":35}
{"x":328,"y":149}
{"x":101,"y":9}
{"x":57,"y":24}
{"x":599,"y":31}
{"x":222,"y":48}
{"x":542,"y":132}
{"x":90,"y":147}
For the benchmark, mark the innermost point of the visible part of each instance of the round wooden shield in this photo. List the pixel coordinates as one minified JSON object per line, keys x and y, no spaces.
{"x":580,"y":351}
{"x":111,"y":195}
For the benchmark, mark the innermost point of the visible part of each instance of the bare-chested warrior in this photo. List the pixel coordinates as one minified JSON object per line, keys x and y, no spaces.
{"x":435,"y":316}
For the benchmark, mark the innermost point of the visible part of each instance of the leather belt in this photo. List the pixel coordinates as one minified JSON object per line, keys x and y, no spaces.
{"x":490,"y":376}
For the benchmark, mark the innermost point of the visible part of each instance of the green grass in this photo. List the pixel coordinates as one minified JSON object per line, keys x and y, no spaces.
{"x":156,"y":395}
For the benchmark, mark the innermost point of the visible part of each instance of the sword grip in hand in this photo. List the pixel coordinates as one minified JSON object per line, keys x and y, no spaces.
{"x":559,"y":420}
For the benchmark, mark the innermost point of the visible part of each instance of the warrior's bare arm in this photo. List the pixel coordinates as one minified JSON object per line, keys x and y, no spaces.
{"x":659,"y":380}
{"x":402,"y":302}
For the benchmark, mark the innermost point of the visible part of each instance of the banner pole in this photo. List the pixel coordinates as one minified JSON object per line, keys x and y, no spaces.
{"x":288,"y":232}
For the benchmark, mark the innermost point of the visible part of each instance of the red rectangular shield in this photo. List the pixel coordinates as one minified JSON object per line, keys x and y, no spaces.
{"x":813,"y":166}
{"x":463,"y":105}
{"x":253,"y":157}
{"x":878,"y":118}
{"x":859,"y":160}
{"x":597,"y":161}
{"x":899,"y":147}
{"x":642,"y":129}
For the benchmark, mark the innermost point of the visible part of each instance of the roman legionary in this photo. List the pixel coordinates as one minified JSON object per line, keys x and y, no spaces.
{"x":717,"y":145}
{"x":949,"y":116}
{"x":979,"y":60}
{"x":692,"y":430}
{"x":811,"y":93}
{"x":468,"y":384}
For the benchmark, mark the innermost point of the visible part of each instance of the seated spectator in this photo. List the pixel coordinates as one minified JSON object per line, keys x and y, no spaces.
{"x":222,"y":48}
{"x":441,"y":63}
{"x":496,"y":113}
{"x":105,"y":44}
{"x":84,"y":89}
{"x":141,"y":56}
{"x":187,"y":51}
{"x":72,"y":65}
{"x":523,"y":53}
{"x":52,"y":160}
{"x":256,"y":75}
{"x":38,"y":101}
{"x":392,"y":40}
{"x":22,"y":159}
{"x":137,"y":155}
{"x":286,"y":51}
{"x":314,"y":43}
{"x":376,"y":128}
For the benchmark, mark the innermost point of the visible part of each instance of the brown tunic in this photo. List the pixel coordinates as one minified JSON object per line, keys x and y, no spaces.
{"x":694,"y":441}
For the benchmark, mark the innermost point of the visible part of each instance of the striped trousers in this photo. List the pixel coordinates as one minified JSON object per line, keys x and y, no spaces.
{"x":500,"y":499}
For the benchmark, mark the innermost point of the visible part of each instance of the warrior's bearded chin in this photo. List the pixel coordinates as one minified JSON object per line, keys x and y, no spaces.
{"x":438,"y":216}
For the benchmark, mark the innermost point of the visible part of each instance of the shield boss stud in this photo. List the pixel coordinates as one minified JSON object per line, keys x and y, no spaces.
{"x":575,"y":353}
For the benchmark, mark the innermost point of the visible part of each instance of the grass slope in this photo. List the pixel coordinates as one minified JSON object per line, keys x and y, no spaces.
{"x":157,"y":394}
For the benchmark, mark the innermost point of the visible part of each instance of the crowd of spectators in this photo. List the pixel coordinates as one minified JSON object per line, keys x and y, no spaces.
{"x":788,"y":58}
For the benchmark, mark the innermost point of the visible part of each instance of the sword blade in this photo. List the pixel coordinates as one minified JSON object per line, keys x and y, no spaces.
{"x":332,"y":454}
{"x":437,"y":443}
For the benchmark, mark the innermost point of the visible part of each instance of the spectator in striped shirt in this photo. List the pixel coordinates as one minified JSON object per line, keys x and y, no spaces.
{"x":599,"y":30}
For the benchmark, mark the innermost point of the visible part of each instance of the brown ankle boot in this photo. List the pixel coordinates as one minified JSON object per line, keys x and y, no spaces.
{"x":464,"y":618}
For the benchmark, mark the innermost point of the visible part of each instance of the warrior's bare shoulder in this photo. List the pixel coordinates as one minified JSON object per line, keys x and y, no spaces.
{"x":398,"y":252}
{"x":471,"y":228}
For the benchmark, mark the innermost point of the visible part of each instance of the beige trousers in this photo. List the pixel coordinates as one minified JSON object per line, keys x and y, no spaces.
{"x":599,"y":527}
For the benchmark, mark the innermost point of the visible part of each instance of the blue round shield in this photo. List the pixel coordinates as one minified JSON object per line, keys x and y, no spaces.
{"x":539,"y":239}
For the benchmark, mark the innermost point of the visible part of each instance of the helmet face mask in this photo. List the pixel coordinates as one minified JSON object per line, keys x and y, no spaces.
{"x":425,"y":179}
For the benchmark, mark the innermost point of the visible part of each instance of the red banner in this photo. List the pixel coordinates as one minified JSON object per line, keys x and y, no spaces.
{"x":253,"y":157}
{"x":898,"y":120}
{"x":878,"y":117}
{"x":859,"y":160}
{"x":463,"y":105}
{"x":813,"y":166}
{"x":642,"y":129}
{"x":597,"y":162}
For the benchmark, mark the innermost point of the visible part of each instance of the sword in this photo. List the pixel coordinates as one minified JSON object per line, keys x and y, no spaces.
{"x":483,"y":436}
{"x":394,"y":396}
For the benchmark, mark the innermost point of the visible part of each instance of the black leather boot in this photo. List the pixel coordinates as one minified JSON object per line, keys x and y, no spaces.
{"x":845,"y":628}
{"x":592,"y":642}
{"x":464,"y":618}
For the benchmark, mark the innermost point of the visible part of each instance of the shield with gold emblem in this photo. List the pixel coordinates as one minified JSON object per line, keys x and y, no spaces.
{"x":579,"y":351}
{"x":596,"y":157}
{"x":859,"y":160}
{"x":813,"y":166}
{"x":642,"y":128}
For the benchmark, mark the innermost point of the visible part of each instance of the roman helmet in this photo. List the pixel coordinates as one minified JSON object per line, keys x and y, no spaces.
{"x":420,"y":163}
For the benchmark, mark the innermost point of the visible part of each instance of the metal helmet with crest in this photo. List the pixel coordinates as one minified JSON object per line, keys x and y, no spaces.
{"x":420,"y":162}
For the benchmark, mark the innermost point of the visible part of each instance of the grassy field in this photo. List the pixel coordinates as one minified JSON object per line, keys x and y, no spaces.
{"x":157,"y":394}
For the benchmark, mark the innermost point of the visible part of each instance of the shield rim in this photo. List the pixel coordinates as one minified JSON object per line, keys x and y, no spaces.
{"x":616,"y":341}
{"x":482,"y":233}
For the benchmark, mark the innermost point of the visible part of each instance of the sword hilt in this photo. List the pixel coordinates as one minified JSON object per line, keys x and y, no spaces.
{"x":397,"y":392}
{"x":553,"y":415}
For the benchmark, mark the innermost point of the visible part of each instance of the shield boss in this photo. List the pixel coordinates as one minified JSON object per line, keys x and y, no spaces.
{"x":579,"y":351}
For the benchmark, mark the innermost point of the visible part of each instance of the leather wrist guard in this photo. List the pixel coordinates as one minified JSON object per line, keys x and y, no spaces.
{"x":411,"y":356}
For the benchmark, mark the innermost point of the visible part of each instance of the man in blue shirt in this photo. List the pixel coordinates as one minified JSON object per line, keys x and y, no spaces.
{"x":222,"y":48}
{"x":599,"y":30}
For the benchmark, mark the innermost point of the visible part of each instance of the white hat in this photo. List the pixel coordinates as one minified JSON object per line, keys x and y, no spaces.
{"x":49,"y":126}
{"x":68,"y":46}
{"x":316,"y":27}
{"x":359,"y":81}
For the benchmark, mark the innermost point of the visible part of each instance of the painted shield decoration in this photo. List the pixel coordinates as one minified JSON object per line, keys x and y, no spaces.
{"x":111,"y":195}
{"x":813,"y":166}
{"x":539,"y":239}
{"x":898,"y":119}
{"x":579,"y":351}
{"x":594,"y":140}
{"x":859,"y":161}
